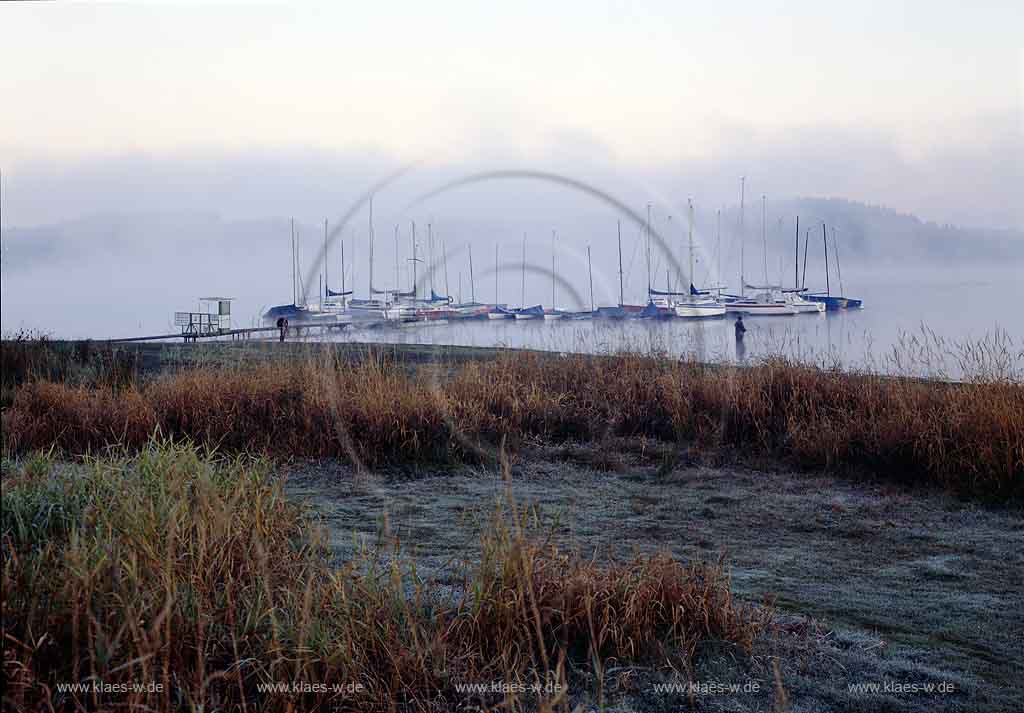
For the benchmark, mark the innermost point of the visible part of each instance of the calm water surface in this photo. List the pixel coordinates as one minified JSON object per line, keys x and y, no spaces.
{"x":923,"y":320}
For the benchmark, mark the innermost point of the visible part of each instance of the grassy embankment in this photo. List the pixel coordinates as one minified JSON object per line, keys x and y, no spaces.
{"x":967,"y":437}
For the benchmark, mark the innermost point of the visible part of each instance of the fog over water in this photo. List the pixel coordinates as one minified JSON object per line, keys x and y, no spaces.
{"x":109,"y":277}
{"x":156,"y":154}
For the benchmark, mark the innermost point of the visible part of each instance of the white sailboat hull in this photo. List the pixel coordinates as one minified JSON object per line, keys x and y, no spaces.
{"x":760,"y":308}
{"x":802,"y":306}
{"x":699,"y":310}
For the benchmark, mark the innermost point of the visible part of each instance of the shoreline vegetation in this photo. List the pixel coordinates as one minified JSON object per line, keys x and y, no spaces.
{"x":392,"y":406}
{"x":146,"y":537}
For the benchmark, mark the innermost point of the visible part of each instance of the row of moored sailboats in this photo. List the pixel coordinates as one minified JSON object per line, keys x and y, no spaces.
{"x":398,"y":307}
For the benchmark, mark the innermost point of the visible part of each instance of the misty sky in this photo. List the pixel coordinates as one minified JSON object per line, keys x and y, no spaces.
{"x":264,"y":109}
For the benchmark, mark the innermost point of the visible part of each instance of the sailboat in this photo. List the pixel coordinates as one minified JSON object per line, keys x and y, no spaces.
{"x":471,"y":309}
{"x":832,"y":302}
{"x":763,"y":302}
{"x":524,"y":312}
{"x":622,"y":310}
{"x":568,"y":314}
{"x":696,"y":306}
{"x":793,"y":295}
{"x":584,"y":314}
{"x":435,"y":309}
{"x":380,"y":304}
{"x":334,"y":302}
{"x":795,"y":300}
{"x":289,"y":311}
{"x":299,"y":310}
{"x":498,"y":310}
{"x":534,"y":312}
{"x":552,"y":313}
{"x":658,"y":306}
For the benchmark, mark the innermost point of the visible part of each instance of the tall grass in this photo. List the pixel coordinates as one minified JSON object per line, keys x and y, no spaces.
{"x":964,"y":436}
{"x":176,"y":569}
{"x":28,"y":356}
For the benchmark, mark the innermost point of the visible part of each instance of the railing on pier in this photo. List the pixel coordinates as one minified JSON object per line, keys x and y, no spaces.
{"x":198,"y":324}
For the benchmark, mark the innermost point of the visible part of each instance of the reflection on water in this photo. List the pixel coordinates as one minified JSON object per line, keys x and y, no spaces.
{"x":922,"y":328}
{"x":914,"y":322}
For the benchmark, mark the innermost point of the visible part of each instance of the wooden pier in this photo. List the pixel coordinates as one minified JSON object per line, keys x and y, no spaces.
{"x":293,"y":330}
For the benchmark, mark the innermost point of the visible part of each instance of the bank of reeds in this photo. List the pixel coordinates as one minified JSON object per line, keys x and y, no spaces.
{"x":173,"y":580}
{"x":28,"y":356}
{"x":967,"y":437}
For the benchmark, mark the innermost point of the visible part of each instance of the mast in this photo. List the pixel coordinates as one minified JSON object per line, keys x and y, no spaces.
{"x":495,"y":274}
{"x":689,"y":204}
{"x":343,"y":270}
{"x":522,"y":297}
{"x":778,"y":238}
{"x":824,"y":238}
{"x":618,"y":225}
{"x":444,"y":257}
{"x":839,"y":270}
{"x":552,"y":269}
{"x":647,"y":235}
{"x":371,"y":247}
{"x":743,"y":280}
{"x":796,"y":256}
{"x":295,"y":291}
{"x":430,"y":246}
{"x":590,"y":272}
{"x":398,"y":271}
{"x":298,"y":268}
{"x":472,"y":280}
{"x":327,"y":282}
{"x":764,"y":235}
{"x":807,"y":242}
{"x":718,"y":249}
{"x":415,"y":284}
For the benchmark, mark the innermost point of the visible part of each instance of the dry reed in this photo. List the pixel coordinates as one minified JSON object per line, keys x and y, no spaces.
{"x":967,"y":436}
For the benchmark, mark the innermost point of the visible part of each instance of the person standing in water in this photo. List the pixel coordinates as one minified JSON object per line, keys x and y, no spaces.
{"x":741,"y":329}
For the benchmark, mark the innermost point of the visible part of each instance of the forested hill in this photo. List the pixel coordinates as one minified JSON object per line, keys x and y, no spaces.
{"x":876,"y":232}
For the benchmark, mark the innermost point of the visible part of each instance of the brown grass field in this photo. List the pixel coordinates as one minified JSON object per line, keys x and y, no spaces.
{"x":148,"y":538}
{"x":964,"y":437}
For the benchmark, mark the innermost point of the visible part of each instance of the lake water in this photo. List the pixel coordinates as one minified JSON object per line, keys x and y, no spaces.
{"x":101,"y":299}
{"x":909,"y":324}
